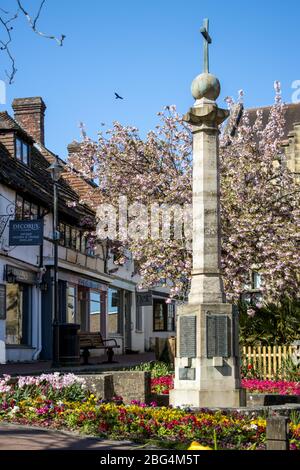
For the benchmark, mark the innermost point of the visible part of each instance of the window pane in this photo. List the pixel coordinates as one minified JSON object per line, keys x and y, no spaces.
{"x":62,"y":234}
{"x":18,"y":149}
{"x":71,"y":305}
{"x":27,"y":211}
{"x":83,"y":244}
{"x":139,"y":319}
{"x":68,"y":235}
{"x":25,"y":153}
{"x":90,"y":247}
{"x":114,"y":311}
{"x":34,"y":211}
{"x":94,"y":307}
{"x":73,"y":238}
{"x":95,"y":296}
{"x":256,"y":280}
{"x":19,"y":208}
{"x":115,"y":298}
{"x":171,"y":317}
{"x":94,"y":310}
{"x":18,"y":312}
{"x":78,"y":240}
{"x":159,"y":315}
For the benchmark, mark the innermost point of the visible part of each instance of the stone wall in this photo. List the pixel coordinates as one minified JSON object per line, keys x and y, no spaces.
{"x":263,"y":399}
{"x":130,"y":385}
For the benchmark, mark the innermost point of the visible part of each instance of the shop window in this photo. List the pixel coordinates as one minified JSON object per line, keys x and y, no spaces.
{"x":163,"y":315}
{"x":94,"y":310}
{"x":114,"y":311}
{"x":71,"y":304}
{"x":18,"y":314}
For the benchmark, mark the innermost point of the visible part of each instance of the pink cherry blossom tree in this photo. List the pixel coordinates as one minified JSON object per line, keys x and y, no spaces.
{"x":259,"y":199}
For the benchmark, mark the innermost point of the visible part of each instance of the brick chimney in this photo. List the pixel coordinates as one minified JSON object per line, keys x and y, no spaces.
{"x":30,"y":114}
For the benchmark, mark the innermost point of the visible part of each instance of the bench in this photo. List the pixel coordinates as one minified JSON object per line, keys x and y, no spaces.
{"x":94,"y":340}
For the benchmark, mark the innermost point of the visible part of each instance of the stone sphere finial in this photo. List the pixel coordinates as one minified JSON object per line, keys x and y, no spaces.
{"x":207,"y":86}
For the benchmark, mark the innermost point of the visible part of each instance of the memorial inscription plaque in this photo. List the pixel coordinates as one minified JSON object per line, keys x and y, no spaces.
{"x":217,"y":335}
{"x":187,"y":344}
{"x":235,"y":331}
{"x":187,"y":373}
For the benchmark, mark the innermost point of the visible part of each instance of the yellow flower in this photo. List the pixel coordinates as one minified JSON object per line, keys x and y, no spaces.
{"x":259,"y":422}
{"x":196,"y":446}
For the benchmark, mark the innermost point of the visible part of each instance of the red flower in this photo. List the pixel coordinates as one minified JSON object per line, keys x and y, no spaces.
{"x":250,"y":366}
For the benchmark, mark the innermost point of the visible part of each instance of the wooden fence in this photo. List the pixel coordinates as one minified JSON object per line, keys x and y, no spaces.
{"x":268,"y":361}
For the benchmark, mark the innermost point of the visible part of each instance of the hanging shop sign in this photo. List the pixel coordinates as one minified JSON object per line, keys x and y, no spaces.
{"x":26,"y":232}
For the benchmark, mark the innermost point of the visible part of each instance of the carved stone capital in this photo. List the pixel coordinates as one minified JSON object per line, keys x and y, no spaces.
{"x":206,"y":116}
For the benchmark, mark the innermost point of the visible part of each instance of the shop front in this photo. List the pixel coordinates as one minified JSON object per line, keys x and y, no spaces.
{"x":120,"y":315}
{"x":82,"y":301}
{"x":20,"y":300}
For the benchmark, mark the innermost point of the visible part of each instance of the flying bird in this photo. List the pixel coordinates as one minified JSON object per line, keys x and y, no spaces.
{"x":118,"y":97}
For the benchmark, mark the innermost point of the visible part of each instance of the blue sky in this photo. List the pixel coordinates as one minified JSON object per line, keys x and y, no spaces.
{"x":148,"y":51}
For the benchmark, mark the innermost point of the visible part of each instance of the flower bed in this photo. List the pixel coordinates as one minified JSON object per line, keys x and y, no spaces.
{"x":62,"y":402}
{"x":279,"y":387}
{"x":162,"y":385}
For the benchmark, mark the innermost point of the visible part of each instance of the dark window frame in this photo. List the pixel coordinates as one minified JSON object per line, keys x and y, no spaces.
{"x":116,"y":294}
{"x":75,"y":298}
{"x":23,"y":145}
{"x":20,"y":209}
{"x":93,"y":301}
{"x":139,"y":319}
{"x":24,"y":296}
{"x":166,"y":316}
{"x":76,"y":239}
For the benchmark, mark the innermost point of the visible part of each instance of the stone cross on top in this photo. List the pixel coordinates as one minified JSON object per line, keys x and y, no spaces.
{"x":207,"y":40}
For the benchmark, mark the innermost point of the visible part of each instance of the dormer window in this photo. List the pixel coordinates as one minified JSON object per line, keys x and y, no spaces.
{"x":22,"y":151}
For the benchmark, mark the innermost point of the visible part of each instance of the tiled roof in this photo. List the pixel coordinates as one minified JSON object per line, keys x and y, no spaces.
{"x":35,"y":180}
{"x":292,"y":115}
{"x":8,"y":123}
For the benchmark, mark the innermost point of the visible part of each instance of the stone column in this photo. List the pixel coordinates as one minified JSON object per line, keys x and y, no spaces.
{"x":206,"y":286}
{"x":207,"y":369}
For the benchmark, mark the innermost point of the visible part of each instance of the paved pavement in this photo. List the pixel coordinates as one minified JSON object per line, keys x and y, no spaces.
{"x":15,"y":437}
{"x":96,"y":365}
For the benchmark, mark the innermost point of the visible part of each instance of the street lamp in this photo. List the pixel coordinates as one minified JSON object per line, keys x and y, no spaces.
{"x":55,"y":170}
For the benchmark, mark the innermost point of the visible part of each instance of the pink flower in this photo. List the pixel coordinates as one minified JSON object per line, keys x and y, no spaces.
{"x":251,"y":312}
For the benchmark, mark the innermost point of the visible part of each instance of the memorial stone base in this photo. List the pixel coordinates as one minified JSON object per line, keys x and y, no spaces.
{"x":207,"y":372}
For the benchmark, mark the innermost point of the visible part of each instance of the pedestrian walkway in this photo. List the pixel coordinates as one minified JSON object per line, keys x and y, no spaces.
{"x":96,"y":365}
{"x":15,"y":437}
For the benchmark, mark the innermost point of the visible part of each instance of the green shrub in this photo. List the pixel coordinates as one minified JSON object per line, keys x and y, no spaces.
{"x":157,"y":369}
{"x":273,"y":324}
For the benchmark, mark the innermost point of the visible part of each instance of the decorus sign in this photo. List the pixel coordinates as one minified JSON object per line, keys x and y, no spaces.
{"x":26,"y":232}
